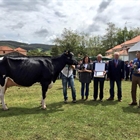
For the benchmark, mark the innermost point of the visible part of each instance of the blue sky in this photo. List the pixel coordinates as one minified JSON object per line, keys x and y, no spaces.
{"x":41,"y":21}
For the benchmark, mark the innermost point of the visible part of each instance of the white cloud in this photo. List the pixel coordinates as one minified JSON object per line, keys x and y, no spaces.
{"x":40,"y":21}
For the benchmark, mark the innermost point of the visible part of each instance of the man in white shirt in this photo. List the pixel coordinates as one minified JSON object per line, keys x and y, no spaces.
{"x":67,"y":76}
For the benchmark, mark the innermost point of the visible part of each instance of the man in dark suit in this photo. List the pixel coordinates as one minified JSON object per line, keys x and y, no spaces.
{"x":98,"y":80}
{"x":115,"y":74}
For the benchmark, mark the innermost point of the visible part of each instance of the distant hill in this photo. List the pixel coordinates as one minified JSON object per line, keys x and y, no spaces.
{"x":15,"y":44}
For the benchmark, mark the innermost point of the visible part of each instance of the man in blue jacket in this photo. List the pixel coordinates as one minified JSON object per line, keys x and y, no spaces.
{"x":135,"y":78}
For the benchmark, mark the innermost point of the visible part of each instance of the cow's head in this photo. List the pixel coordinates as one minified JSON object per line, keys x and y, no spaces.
{"x":69,"y":58}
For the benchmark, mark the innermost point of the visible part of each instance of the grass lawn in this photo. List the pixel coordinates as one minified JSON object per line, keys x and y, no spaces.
{"x":84,"y":120}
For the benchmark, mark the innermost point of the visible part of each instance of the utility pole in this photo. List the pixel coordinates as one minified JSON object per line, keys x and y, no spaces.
{"x":125,"y":27}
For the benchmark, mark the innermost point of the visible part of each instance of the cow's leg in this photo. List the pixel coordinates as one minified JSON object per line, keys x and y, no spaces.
{"x":49,"y":86}
{"x":2,"y":92}
{"x":44,"y":90}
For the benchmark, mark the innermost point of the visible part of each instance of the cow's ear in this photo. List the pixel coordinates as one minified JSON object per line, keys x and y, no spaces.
{"x":65,"y":52}
{"x":71,"y":53}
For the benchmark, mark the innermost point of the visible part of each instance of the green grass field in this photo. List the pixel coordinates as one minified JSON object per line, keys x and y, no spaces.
{"x":84,"y":120}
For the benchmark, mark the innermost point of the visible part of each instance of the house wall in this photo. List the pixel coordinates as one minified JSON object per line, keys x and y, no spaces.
{"x":14,"y":54}
{"x":124,"y":57}
{"x":132,"y":55}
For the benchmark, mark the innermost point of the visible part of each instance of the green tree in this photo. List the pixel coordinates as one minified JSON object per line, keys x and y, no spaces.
{"x":71,"y":41}
{"x":133,"y":33}
{"x":109,"y":39}
{"x":123,"y":35}
{"x":95,"y":46}
{"x":55,"y":50}
{"x":37,"y":52}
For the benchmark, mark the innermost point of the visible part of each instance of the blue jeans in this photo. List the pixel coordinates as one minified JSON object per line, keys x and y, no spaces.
{"x":65,"y":81}
{"x":83,"y":88}
{"x":118,"y":82}
{"x":69,"y":84}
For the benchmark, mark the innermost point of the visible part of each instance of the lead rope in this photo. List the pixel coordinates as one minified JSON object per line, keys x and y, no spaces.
{"x":68,"y":70}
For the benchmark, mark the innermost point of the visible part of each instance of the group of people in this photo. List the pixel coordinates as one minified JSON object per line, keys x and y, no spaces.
{"x":128,"y":70}
{"x":114,"y":71}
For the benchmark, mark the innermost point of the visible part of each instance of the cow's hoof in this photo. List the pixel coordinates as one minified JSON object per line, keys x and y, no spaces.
{"x":6,"y":108}
{"x":43,"y":107}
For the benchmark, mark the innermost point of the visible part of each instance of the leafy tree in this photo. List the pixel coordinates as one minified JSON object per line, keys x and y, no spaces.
{"x":82,"y":44}
{"x":55,"y":50}
{"x":71,"y":41}
{"x":109,"y":39}
{"x":94,"y":46}
{"x":133,"y":33}
{"x":36,"y":52}
{"x":125,"y":34}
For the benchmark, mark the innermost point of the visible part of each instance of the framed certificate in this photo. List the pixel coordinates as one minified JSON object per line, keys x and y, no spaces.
{"x":99,"y":66}
{"x":99,"y":70}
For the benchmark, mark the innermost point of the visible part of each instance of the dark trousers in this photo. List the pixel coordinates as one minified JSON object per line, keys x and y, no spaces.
{"x":118,"y":82}
{"x":96,"y":82}
{"x":126,"y":75}
{"x":135,"y":82}
{"x":131,"y":75}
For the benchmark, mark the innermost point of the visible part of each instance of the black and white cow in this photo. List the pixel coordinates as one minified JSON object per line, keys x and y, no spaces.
{"x":25,"y":71}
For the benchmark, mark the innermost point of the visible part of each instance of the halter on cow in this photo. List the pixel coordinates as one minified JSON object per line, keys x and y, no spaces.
{"x":25,"y":71}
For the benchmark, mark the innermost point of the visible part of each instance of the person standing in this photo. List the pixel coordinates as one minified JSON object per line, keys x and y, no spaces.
{"x":67,"y":76}
{"x":127,"y":70}
{"x":115,"y":74}
{"x":85,"y":72}
{"x":135,"y":78}
{"x":99,"y":80}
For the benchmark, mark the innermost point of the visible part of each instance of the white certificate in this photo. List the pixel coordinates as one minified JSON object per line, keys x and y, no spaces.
{"x":99,"y":66}
{"x":98,"y":74}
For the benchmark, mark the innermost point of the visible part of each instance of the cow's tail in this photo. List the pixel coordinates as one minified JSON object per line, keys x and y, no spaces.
{"x":2,"y":72}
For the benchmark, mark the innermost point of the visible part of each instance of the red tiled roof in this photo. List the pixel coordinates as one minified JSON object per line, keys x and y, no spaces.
{"x":117,"y":47}
{"x":19,"y":49}
{"x":123,"y":52}
{"x":110,"y":50}
{"x":5,"y":48}
{"x":109,"y":56}
{"x":133,"y":40}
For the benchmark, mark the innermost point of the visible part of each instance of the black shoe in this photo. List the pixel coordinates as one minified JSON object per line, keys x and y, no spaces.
{"x":100,"y":100}
{"x":120,"y":100}
{"x":133,"y":103}
{"x":82,"y":98}
{"x":74,"y":101}
{"x":110,"y":99}
{"x":66,"y":100}
{"x":86,"y":97}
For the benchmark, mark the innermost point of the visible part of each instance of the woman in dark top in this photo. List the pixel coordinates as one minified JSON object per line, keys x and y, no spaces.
{"x":85,"y":72}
